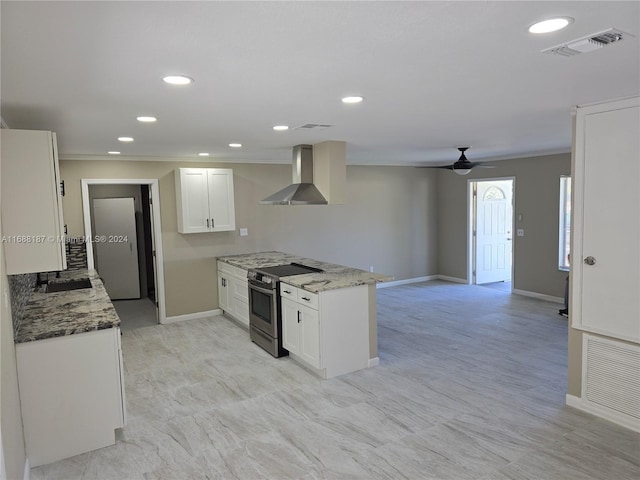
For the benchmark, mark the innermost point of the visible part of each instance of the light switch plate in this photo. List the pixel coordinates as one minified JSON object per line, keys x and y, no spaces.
{"x":520,"y":232}
{"x":244,"y":232}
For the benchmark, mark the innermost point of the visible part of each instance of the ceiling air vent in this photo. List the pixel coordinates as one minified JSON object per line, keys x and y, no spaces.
{"x":589,"y":43}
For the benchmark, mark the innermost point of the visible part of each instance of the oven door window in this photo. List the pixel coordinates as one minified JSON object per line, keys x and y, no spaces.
{"x":261,"y":305}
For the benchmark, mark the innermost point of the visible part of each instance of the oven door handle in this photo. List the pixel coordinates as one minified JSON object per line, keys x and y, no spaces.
{"x":266,"y":291}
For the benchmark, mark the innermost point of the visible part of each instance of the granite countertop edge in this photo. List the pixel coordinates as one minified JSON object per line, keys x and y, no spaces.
{"x":334,"y":276}
{"x":59,"y":314}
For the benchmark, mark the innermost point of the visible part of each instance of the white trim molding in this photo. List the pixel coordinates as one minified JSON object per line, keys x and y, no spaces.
{"x":540,"y":296}
{"x":373,"y":362}
{"x":27,"y":470}
{"x":406,"y":281}
{"x":192,"y":316}
{"x":446,"y":278}
{"x":622,"y":420}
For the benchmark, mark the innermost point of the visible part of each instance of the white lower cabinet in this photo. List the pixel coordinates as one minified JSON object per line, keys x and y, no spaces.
{"x":71,"y":394}
{"x":233,"y":292}
{"x":328,"y":331}
{"x":301,"y":331}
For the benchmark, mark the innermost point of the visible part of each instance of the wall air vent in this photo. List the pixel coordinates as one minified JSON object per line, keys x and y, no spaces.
{"x":589,"y":43}
{"x":310,"y":126}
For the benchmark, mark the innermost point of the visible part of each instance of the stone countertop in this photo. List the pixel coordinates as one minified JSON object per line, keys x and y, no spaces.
{"x":333,"y":277}
{"x":49,"y":315}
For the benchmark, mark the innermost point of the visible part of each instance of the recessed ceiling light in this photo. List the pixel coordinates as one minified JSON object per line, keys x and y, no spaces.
{"x":355,"y":99}
{"x":203,"y":154}
{"x":177,"y":80}
{"x":235,"y":145}
{"x":146,"y":119}
{"x":125,"y":139}
{"x":281,"y":128}
{"x":113,"y":153}
{"x":550,"y":25}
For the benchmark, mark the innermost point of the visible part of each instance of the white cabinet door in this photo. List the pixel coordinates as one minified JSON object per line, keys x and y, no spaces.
{"x":71,"y":394}
{"x":309,"y":349}
{"x":290,"y":326}
{"x":223,"y":292}
{"x":192,"y":197}
{"x":204,"y":200}
{"x":221,"y":203}
{"x":32,"y":223}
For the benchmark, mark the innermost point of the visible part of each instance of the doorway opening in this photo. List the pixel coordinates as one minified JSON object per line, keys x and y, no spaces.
{"x":124,"y":244}
{"x":491,"y":232}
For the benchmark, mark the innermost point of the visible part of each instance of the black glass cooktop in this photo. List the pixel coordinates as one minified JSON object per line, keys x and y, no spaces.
{"x":288,"y":270}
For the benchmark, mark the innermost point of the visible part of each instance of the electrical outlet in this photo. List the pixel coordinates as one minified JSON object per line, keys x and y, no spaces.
{"x":520,"y":232}
{"x":244,"y":232}
{"x":371,"y":268}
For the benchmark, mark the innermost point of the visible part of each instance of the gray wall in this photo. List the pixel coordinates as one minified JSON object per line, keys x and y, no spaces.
{"x":536,"y":198}
{"x":389,"y":221}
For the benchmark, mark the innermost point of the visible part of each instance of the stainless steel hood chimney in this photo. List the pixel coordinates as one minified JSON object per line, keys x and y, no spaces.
{"x":302,"y":191}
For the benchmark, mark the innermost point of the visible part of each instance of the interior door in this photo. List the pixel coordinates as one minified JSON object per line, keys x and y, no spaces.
{"x":607,"y":263}
{"x":494,"y":240}
{"x":153,"y":249}
{"x":116,"y":246}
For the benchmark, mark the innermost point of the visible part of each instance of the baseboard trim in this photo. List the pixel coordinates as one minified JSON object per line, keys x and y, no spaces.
{"x":540,"y":296}
{"x":192,"y":316}
{"x":27,"y":470}
{"x":374,"y":362}
{"x":452,"y":279}
{"x":406,"y":281}
{"x":619,"y":419}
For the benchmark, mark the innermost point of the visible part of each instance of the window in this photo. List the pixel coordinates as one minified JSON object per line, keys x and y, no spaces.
{"x":565,"y":223}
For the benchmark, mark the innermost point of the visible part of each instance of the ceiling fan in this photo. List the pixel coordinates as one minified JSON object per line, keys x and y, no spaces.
{"x":463,"y":166}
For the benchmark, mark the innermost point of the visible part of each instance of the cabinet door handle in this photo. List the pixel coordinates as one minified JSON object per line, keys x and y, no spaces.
{"x":287,"y":291}
{"x":306,"y":298}
{"x":62,"y":188}
{"x":207,"y":223}
{"x":212,"y":223}
{"x":298,"y":316}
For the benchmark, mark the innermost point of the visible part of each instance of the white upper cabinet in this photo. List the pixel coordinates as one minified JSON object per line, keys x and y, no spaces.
{"x":32,"y":222}
{"x":204,"y":199}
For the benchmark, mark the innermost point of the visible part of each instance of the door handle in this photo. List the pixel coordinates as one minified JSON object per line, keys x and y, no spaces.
{"x":590,"y":260}
{"x":131,"y":247}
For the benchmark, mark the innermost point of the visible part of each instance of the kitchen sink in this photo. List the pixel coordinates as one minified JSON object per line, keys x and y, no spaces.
{"x":70,"y":285}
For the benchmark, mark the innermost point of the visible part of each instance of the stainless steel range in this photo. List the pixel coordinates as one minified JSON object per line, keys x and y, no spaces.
{"x":265,"y":313}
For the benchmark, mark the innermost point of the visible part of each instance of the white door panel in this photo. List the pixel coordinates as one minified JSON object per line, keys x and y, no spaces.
{"x":609,"y":297}
{"x":493,"y":231}
{"x":116,"y":246}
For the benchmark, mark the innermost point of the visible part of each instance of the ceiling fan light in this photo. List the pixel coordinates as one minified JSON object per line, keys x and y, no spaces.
{"x":462,"y":171}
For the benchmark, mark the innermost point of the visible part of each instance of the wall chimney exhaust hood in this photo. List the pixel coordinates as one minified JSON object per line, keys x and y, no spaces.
{"x":302,"y":191}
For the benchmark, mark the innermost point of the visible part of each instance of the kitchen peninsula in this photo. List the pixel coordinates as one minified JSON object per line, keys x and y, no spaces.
{"x":329,"y":320}
{"x":70,"y":368}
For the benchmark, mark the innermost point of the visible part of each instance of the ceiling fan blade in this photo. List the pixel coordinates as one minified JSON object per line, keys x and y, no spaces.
{"x":446,"y":167}
{"x":482,"y":165}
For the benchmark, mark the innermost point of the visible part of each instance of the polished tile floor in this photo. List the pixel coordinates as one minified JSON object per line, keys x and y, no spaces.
{"x":136,"y":313}
{"x":471,"y":385}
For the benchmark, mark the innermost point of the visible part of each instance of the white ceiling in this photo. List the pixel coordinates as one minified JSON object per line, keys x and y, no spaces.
{"x":435,"y":74}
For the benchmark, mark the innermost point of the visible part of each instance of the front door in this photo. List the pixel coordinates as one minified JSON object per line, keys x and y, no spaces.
{"x":494,"y":240}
